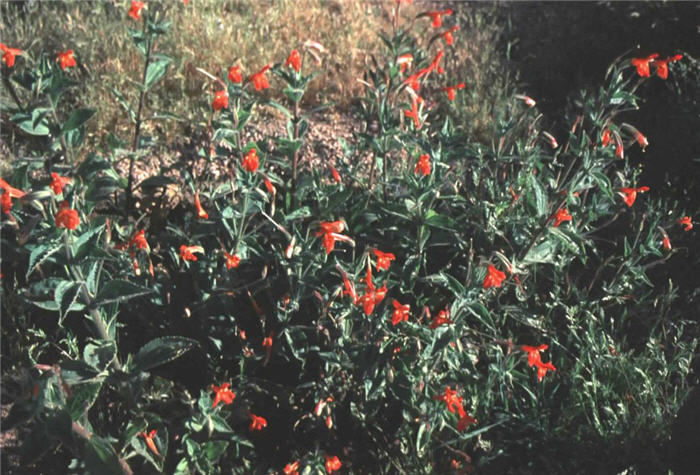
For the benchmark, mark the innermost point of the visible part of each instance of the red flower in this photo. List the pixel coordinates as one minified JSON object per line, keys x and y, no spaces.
{"x":231,"y":260}
{"x":8,"y":54}
{"x":449,"y":39}
{"x":641,"y":139}
{"x":260,"y":80}
{"x":686,"y":221}
{"x":220,"y":100}
{"x":533,"y":353}
{"x":437,"y":17}
{"x":666,"y":242}
{"x":67,"y":59}
{"x":542,"y":369}
{"x":442,"y":318}
{"x":332,"y":463}
{"x":135,"y":11}
{"x":642,"y":64}
{"x":412,"y":113}
{"x":383,"y":259}
{"x":294,"y":60}
{"x":186,"y":252}
{"x":267,"y":342}
{"x":423,"y":165}
{"x":451,"y":90}
{"x":529,"y":101}
{"x":630,"y":194}
{"x":257,"y":422}
{"x":452,"y":401}
{"x":336,"y":175}
{"x":619,"y":150}
{"x":661,"y":65}
{"x":66,"y":217}
{"x":412,"y":80}
{"x":270,"y":187}
{"x":223,"y":394}
{"x":138,"y":240}
{"x":465,"y":421}
{"x":494,"y":277}
{"x":58,"y":183}
{"x":251,"y":161}
{"x":561,"y":215}
{"x":330,"y":227}
{"x":7,"y":195}
{"x":605,"y":139}
{"x":291,"y":468}
{"x":349,"y":288}
{"x":200,"y":211}
{"x":234,"y":74}
{"x":400,"y":312}
{"x":148,"y":438}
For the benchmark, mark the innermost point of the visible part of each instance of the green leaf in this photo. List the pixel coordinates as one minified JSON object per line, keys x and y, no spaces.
{"x":160,"y":351}
{"x":100,"y":354}
{"x":77,"y":118}
{"x":299,"y":213}
{"x":78,"y":372}
{"x":84,"y":396}
{"x":27,"y":123}
{"x":119,"y":291}
{"x":156,"y":70}
{"x":100,"y":457}
{"x":543,"y":253}
{"x":124,"y":103}
{"x":42,"y":252}
{"x":439,"y":221}
{"x":65,"y":295}
{"x":281,"y":108}
{"x":540,"y":195}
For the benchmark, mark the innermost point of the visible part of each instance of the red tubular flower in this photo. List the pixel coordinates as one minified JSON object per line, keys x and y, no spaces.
{"x":326,"y":227}
{"x":533,"y":353}
{"x":336,"y":175}
{"x":291,"y":468}
{"x":449,"y":39}
{"x":257,"y":422}
{"x":423,"y":165}
{"x":368,"y":301}
{"x":666,"y":242}
{"x":260,"y":80}
{"x":223,"y":394}
{"x":349,"y":287}
{"x":294,"y":60}
{"x":332,"y":463}
{"x":8,"y":54}
{"x":465,"y":421}
{"x":148,"y":438}
{"x":8,"y":193}
{"x":452,"y":89}
{"x":542,"y":369}
{"x":442,"y":318}
{"x":383,"y":259}
{"x":235,"y":75}
{"x":66,"y":217}
{"x":232,"y":261}
{"x":605,"y":139}
{"x":58,"y":183}
{"x":642,"y":64}
{"x":412,"y":113}
{"x":135,"y":11}
{"x":437,"y":17}
{"x":561,"y":215}
{"x":267,"y":342}
{"x":200,"y":211}
{"x":400,"y":312}
{"x":220,"y":100}
{"x":451,"y":400}
{"x":686,"y":221}
{"x":186,"y":252}
{"x":629,"y":195}
{"x":661,"y":65}
{"x":269,"y":186}
{"x":494,"y":277}
{"x":251,"y":161}
{"x":67,"y":59}
{"x":529,"y":101}
{"x":380,"y":294}
{"x":138,"y":241}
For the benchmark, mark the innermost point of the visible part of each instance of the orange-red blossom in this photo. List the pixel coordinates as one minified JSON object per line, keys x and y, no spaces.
{"x":66,"y":217}
{"x":629,"y":195}
{"x":150,"y":443}
{"x":9,"y":54}
{"x":223,"y":394}
{"x":66,"y":59}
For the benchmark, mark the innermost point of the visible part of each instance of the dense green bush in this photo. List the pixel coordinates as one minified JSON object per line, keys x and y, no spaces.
{"x":428,"y":304}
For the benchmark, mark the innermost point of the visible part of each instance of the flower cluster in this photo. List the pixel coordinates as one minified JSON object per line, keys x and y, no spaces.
{"x":534,"y":359}
{"x":454,"y":402}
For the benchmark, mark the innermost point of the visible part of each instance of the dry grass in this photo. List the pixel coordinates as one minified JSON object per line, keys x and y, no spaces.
{"x":215,"y":34}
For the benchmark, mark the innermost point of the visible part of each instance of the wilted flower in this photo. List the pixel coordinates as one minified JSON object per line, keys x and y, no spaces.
{"x":8,"y":54}
{"x":67,"y":59}
{"x":529,"y":101}
{"x":66,"y":217}
{"x":223,"y":394}
{"x":220,"y":100}
{"x":465,"y":421}
{"x":404,"y":61}
{"x":494,"y":277}
{"x":200,"y":211}
{"x":550,"y":138}
{"x":642,"y":64}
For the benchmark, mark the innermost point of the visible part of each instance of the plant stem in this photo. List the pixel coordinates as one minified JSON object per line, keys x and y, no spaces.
{"x":295,"y":157}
